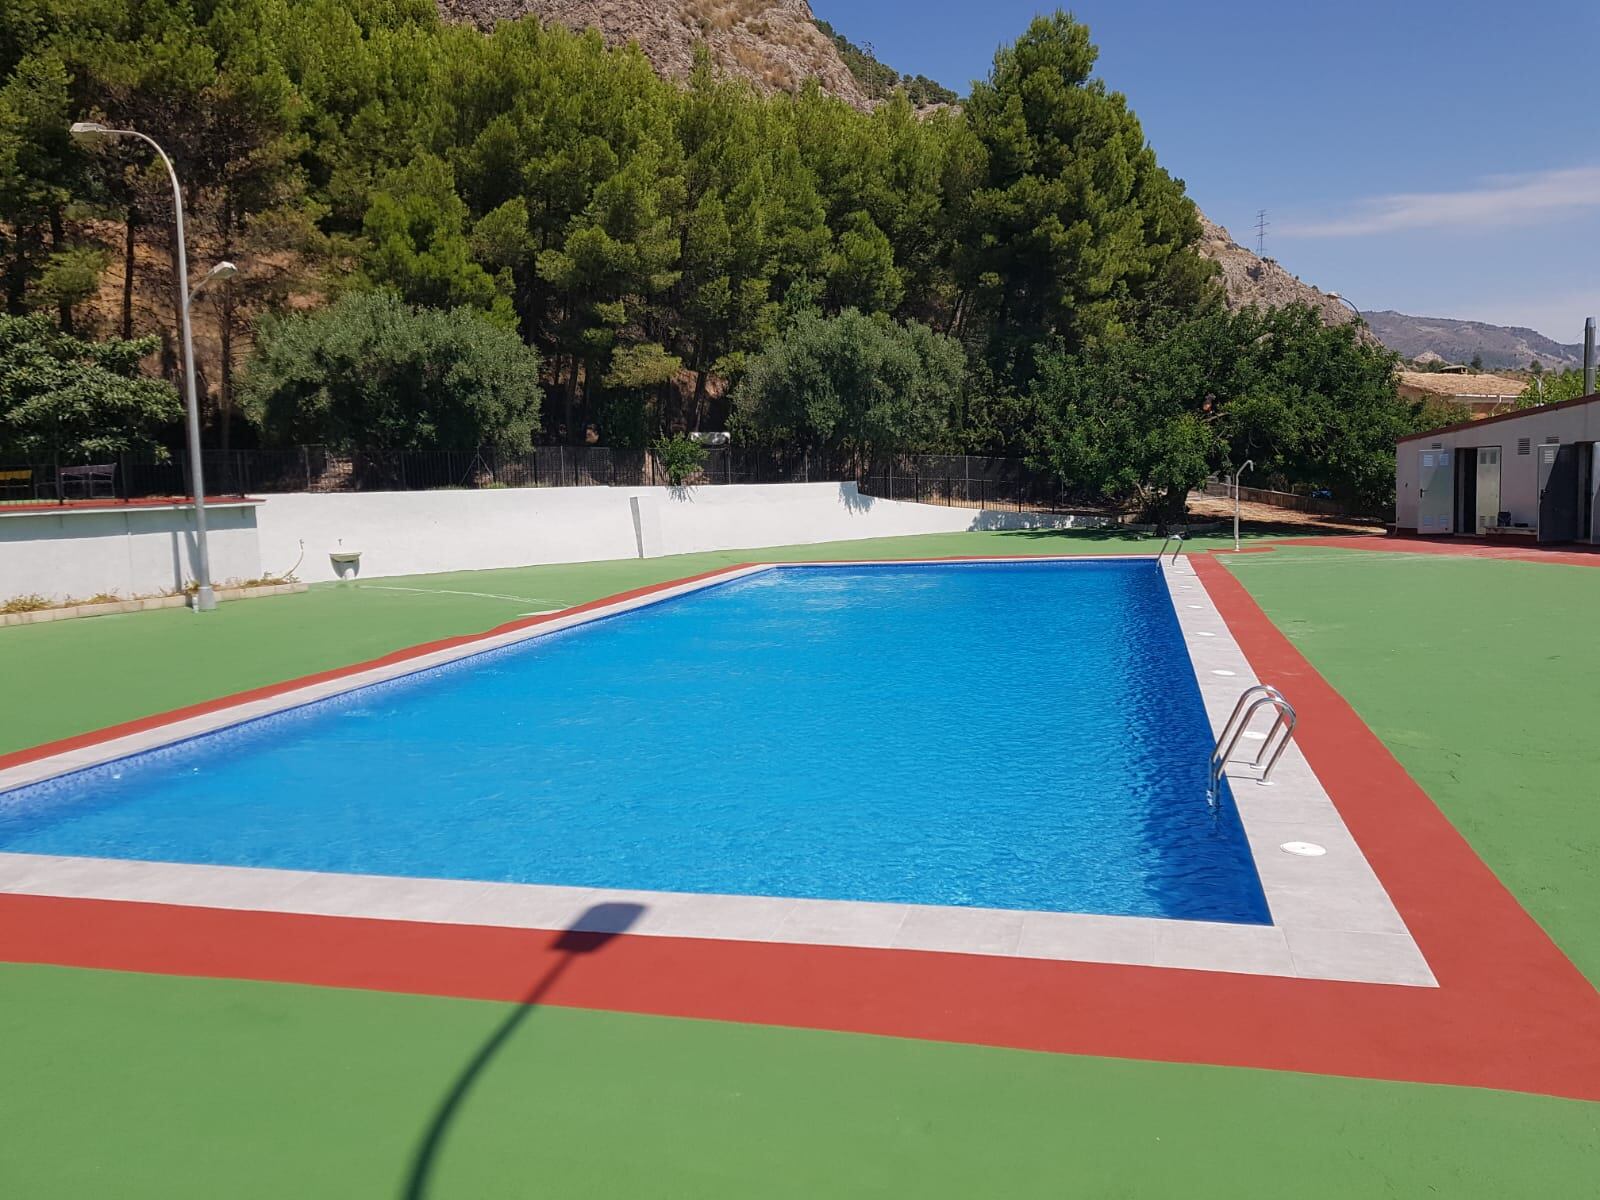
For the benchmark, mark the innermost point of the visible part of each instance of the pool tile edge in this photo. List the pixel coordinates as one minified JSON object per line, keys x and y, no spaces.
{"x":995,"y":933}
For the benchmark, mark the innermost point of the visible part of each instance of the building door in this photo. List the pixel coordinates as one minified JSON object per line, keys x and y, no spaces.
{"x":1558,"y":493}
{"x":1466,"y":498}
{"x":1586,"y":479}
{"x":1488,"y":480}
{"x":1436,"y":493}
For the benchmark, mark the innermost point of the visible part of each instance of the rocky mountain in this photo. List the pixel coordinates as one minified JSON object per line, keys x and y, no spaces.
{"x":1252,"y":280}
{"x":1429,"y":339}
{"x":773,"y":43}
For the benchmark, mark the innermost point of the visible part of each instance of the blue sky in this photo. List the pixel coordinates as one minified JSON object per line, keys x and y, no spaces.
{"x":1439,"y":159}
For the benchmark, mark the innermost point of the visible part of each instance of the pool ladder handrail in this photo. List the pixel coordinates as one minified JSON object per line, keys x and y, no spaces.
{"x":1180,"y":535}
{"x":1251,"y":699}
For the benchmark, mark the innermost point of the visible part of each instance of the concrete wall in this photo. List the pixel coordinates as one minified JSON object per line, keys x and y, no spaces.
{"x":413,"y":533}
{"x":1519,"y":472}
{"x":137,"y":551}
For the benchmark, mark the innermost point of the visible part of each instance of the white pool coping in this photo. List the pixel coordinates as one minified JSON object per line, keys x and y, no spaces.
{"x":1332,"y":918}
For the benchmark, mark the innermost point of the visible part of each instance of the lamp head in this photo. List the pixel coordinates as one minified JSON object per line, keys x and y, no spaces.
{"x":90,"y":133}
{"x":223,"y":270}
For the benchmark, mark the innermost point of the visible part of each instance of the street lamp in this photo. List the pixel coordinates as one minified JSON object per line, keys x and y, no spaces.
{"x":1343,"y":300}
{"x":1249,"y":464}
{"x":93,"y":133}
{"x":223,"y":270}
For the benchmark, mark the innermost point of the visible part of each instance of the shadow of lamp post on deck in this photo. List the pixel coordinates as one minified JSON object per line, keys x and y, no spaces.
{"x":93,"y":133}
{"x":596,"y":926}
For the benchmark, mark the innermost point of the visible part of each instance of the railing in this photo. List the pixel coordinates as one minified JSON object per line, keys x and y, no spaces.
{"x":1276,"y":740}
{"x":963,"y":481}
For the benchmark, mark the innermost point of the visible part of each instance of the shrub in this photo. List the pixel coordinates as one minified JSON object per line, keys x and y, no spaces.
{"x":372,"y":373}
{"x":680,"y":458}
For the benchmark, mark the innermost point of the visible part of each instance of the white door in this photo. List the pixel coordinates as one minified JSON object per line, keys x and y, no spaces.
{"x":1488,"y":487}
{"x":1436,"y":492}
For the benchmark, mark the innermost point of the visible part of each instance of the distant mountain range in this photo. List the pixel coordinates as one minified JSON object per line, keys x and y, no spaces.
{"x":1499,"y":346}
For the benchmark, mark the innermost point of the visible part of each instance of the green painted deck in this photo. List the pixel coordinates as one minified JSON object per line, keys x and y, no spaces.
{"x":138,"y":1085}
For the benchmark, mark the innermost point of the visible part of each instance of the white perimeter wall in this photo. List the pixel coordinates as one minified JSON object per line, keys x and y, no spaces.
{"x":78,"y":553}
{"x":145,"y":551}
{"x":414,"y":533}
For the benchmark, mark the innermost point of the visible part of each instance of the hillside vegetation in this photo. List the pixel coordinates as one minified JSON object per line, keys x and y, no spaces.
{"x":653,"y":244}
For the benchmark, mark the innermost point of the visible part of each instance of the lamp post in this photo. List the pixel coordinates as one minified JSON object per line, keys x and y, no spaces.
{"x":93,"y":133}
{"x":1345,"y":301}
{"x":1249,"y":464}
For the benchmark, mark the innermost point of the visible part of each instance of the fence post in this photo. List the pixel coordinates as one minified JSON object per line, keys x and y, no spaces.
{"x":948,"y":498}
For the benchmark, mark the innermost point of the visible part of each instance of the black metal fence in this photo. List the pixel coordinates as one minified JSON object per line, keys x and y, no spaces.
{"x":972,"y":481}
{"x":966,"y":481}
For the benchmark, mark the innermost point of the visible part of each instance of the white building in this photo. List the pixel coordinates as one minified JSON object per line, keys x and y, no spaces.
{"x":1522,"y":475}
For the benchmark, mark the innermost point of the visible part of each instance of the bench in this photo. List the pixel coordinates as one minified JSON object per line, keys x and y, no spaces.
{"x":17,"y":483}
{"x":98,"y":482}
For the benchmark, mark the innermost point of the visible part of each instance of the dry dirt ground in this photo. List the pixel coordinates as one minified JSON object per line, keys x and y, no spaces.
{"x":1214,"y":508}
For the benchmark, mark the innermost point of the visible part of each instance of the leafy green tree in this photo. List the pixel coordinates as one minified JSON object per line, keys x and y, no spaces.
{"x":1322,"y":410}
{"x":863,"y":385}
{"x":1550,"y":387}
{"x":69,"y":278}
{"x":1145,"y":419}
{"x":1075,"y":231}
{"x":372,"y":373}
{"x":679,"y":457}
{"x":39,"y":171}
{"x":418,"y":244}
{"x":630,"y":408}
{"x":1135,"y":419}
{"x":64,"y":400}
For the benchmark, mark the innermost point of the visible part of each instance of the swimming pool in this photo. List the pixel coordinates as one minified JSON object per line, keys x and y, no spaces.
{"x":1007,"y":735}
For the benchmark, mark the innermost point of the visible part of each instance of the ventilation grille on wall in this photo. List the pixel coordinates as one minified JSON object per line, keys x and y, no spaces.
{"x":1552,"y":440}
{"x":1524,"y":445}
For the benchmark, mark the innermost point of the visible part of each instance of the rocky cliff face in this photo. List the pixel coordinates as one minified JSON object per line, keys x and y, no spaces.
{"x":775,"y":44}
{"x":1252,"y":280}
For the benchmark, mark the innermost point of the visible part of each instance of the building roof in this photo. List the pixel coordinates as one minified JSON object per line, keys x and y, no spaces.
{"x":1518,"y":414}
{"x":1477,"y":387}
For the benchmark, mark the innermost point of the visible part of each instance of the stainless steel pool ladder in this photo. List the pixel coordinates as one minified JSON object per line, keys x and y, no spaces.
{"x":1180,"y":536}
{"x":1283,"y":723}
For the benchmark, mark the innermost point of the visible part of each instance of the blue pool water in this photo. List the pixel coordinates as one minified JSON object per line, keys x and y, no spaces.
{"x":1000,"y":735}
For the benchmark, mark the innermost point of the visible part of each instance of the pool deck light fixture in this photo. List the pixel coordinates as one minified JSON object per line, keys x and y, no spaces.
{"x":94,"y":133}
